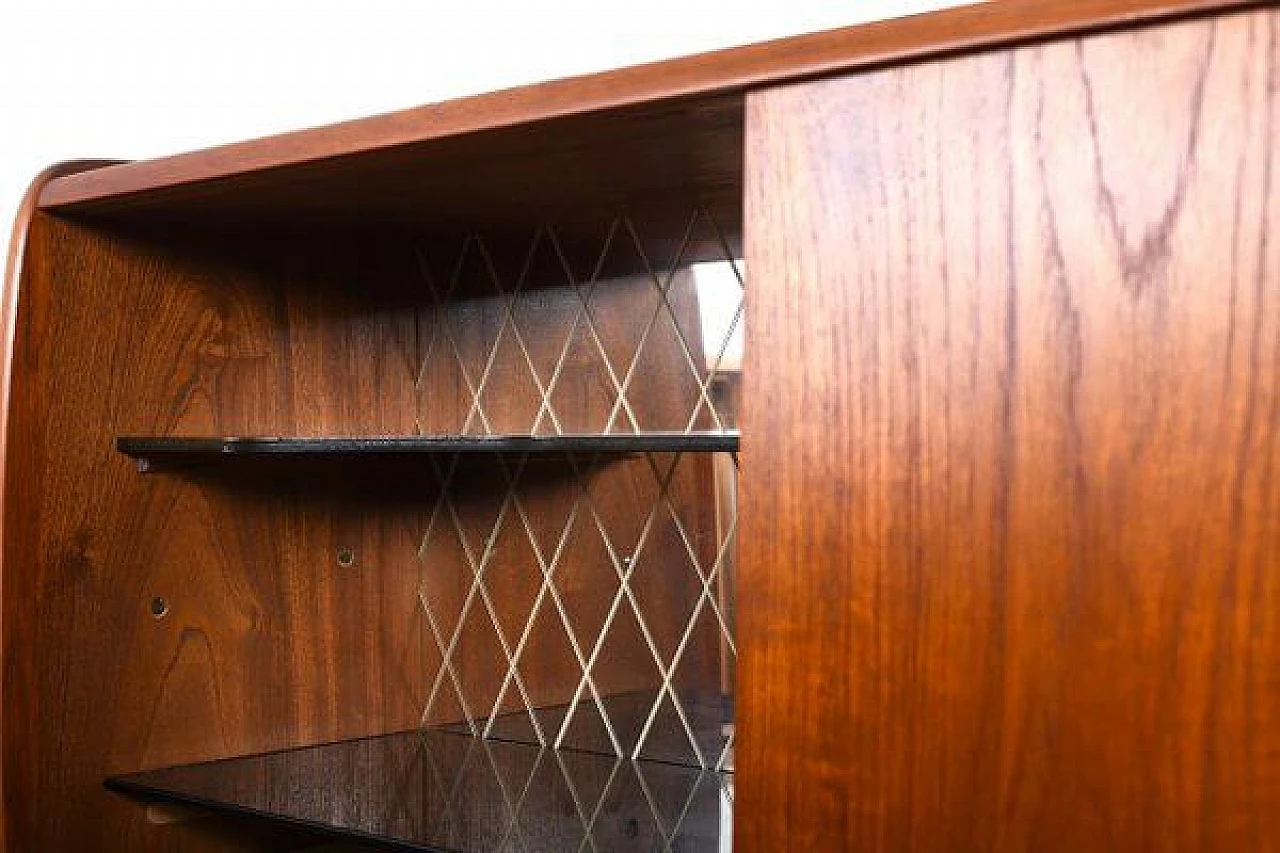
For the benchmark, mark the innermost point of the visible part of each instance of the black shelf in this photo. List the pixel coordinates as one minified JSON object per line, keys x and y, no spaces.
{"x":436,"y":790}
{"x":168,"y":450}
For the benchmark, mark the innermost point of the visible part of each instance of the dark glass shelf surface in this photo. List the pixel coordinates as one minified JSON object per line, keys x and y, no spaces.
{"x":438,"y":790}
{"x":158,"y":449}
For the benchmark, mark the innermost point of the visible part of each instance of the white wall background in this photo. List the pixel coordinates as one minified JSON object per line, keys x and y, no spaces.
{"x":132,"y":79}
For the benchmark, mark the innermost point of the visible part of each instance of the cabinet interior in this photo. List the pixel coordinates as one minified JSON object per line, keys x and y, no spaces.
{"x":405,"y":642}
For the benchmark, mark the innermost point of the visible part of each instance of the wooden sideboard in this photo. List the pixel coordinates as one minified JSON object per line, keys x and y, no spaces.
{"x":407,"y":483}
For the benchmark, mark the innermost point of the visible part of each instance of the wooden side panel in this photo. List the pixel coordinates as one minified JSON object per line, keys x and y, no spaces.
{"x":13,"y":268}
{"x":267,"y":640}
{"x":1010,"y":565}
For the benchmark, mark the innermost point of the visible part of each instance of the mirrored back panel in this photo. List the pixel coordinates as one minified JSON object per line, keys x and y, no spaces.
{"x":583,"y":601}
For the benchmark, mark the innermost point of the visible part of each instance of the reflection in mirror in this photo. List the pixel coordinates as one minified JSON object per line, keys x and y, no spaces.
{"x":720,"y":291}
{"x":435,"y":790}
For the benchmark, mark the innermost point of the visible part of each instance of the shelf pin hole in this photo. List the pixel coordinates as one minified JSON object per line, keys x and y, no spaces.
{"x":346,"y":557}
{"x":159,"y":607}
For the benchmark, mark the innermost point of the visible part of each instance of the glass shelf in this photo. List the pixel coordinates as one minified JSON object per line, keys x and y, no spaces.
{"x":155,"y":450}
{"x":440,"y":790}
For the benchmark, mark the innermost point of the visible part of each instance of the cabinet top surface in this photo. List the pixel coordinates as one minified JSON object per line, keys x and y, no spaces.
{"x":687,"y":81}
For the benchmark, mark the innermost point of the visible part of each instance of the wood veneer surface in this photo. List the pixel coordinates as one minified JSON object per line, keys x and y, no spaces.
{"x":14,"y":265}
{"x":1010,"y":563}
{"x":267,"y":640}
{"x":669,"y":127}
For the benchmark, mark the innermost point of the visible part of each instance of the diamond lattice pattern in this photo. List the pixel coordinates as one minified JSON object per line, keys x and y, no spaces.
{"x":578,"y":602}
{"x":547,"y":799}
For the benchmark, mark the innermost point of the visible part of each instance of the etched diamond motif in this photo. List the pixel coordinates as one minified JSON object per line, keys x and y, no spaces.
{"x":583,"y":602}
{"x":611,"y":804}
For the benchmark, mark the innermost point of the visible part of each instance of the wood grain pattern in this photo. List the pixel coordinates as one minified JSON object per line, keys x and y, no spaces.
{"x":1010,"y":565}
{"x":576,"y":171}
{"x":698,"y":80}
{"x":14,"y":264}
{"x":267,"y":641}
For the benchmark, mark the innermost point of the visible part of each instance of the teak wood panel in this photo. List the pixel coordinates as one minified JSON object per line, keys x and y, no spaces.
{"x":1010,"y":563}
{"x":14,"y":264}
{"x":267,"y":640}
{"x":676,"y":92}
{"x":575,"y":170}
